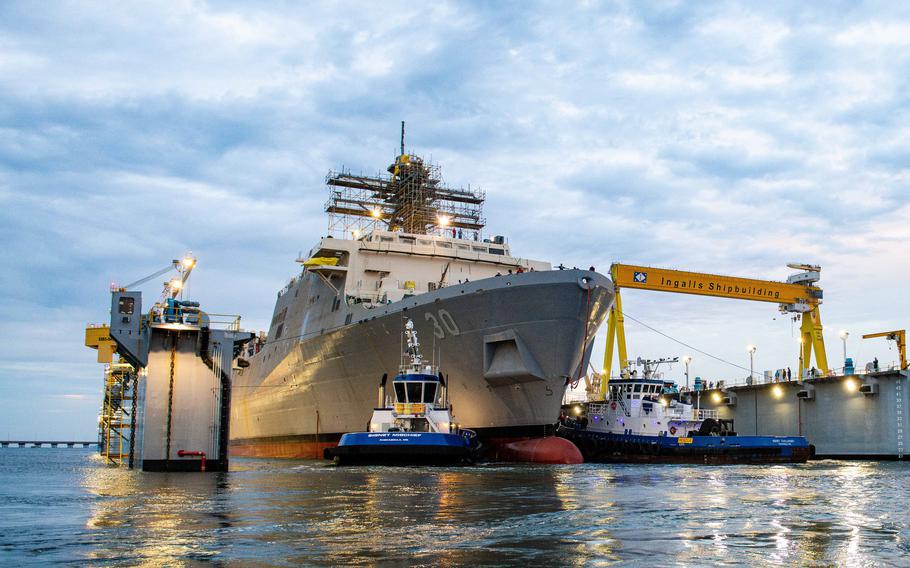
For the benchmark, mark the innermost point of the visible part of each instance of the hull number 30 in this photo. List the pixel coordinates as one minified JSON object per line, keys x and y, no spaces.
{"x":443,"y":324}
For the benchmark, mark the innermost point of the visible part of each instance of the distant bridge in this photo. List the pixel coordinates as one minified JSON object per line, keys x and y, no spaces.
{"x":51,"y":443}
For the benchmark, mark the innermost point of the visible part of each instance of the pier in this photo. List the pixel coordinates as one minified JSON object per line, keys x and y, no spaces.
{"x":50,"y":443}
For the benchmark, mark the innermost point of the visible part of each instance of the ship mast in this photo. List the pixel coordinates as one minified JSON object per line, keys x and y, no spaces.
{"x":413,"y":344}
{"x":411,"y":198}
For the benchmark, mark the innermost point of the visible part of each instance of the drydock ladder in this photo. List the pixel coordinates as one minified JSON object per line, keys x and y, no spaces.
{"x":118,"y":414}
{"x":117,"y":420}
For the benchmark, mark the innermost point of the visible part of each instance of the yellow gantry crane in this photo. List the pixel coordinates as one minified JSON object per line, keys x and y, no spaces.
{"x":798,"y":294}
{"x":900,"y":337}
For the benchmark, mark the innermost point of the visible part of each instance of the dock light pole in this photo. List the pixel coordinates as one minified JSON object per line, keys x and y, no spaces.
{"x":844,"y":334}
{"x":687,"y":359}
{"x":751,"y":350}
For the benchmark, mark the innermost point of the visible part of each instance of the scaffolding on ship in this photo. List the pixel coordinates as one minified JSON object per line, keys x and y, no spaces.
{"x":411,"y":198}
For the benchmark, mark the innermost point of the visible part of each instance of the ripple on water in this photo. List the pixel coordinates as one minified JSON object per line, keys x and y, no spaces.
{"x":64,"y":506}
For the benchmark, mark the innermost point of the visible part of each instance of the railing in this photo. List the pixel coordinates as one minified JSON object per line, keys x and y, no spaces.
{"x":224,"y":321}
{"x":193,"y":316}
{"x":704,"y":414}
{"x":833,"y":372}
{"x":287,"y":286}
{"x":410,"y":408}
{"x":439,"y":426}
{"x":675,"y":412}
{"x":759,"y":378}
{"x":601,"y":407}
{"x":175,"y":314}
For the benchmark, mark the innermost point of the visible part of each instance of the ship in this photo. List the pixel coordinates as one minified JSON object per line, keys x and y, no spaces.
{"x":511,"y":333}
{"x":647,"y":419}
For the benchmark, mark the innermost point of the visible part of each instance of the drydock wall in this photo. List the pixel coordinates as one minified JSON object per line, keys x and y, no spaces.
{"x":193,"y":421}
{"x":840,"y":421}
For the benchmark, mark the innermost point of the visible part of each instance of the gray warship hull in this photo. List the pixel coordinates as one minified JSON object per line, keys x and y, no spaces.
{"x":507,"y":347}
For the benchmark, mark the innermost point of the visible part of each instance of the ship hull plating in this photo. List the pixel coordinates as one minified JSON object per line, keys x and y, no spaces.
{"x":506,"y":345}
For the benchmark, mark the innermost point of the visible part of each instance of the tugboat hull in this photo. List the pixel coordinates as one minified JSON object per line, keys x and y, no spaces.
{"x":400,"y":448}
{"x":602,"y":447}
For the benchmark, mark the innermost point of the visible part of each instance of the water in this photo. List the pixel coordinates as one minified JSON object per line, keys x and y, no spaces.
{"x":64,"y":507}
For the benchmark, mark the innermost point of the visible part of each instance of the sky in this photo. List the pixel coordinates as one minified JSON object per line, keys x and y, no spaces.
{"x":718,"y":137}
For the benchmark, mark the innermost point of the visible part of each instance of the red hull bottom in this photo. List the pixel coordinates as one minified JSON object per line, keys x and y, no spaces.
{"x":549,"y":450}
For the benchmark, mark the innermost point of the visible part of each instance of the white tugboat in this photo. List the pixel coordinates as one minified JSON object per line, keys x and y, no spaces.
{"x":413,"y":425}
{"x":647,"y":419}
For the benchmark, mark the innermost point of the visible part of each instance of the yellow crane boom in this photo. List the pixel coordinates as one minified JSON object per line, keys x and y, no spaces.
{"x":682,"y":282}
{"x":900,"y":337}
{"x":799,"y":294}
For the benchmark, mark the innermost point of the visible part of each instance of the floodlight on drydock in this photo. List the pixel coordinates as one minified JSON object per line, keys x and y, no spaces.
{"x":443,"y":220}
{"x":777,"y":391}
{"x":188,"y":262}
{"x":376,"y":213}
{"x":175,"y":284}
{"x":716,"y":398}
{"x":850,"y":385}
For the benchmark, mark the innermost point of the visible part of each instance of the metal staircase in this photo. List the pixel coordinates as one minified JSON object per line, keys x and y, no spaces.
{"x":117,"y":422}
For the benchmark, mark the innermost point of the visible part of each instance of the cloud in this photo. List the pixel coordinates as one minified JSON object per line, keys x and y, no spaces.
{"x":717,"y":136}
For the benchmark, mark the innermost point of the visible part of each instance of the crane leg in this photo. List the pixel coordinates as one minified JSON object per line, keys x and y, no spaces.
{"x":616,"y":336}
{"x":901,"y":338}
{"x":608,"y":354}
{"x":621,"y":333}
{"x":812,"y":338}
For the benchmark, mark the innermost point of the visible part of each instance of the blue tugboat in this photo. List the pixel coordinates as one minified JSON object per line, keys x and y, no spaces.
{"x":645,"y":420}
{"x":413,"y":426}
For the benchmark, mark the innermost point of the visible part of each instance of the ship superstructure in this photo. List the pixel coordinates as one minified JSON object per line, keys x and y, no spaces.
{"x":510,"y":332}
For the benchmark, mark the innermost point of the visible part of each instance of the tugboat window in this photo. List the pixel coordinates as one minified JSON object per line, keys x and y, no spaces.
{"x":399,"y":392}
{"x":429,"y":392}
{"x":414,"y":391}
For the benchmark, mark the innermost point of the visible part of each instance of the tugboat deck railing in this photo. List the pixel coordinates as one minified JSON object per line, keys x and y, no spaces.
{"x":600,"y":408}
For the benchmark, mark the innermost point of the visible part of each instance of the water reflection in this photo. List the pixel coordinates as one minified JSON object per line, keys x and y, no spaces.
{"x":291,"y":513}
{"x":156,"y":519}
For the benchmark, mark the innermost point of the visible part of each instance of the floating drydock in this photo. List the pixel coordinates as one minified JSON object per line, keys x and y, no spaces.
{"x":167,"y":397}
{"x":843,"y":417}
